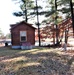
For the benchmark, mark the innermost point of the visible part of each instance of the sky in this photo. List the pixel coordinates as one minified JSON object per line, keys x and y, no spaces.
{"x":7,"y":7}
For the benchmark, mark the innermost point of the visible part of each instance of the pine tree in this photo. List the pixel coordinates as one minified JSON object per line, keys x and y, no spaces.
{"x":26,"y":7}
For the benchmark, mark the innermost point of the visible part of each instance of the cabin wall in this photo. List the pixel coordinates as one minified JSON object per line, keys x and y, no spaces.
{"x":15,"y":34}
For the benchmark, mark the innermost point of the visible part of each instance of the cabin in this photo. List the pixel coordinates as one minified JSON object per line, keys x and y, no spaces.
{"x":22,"y":34}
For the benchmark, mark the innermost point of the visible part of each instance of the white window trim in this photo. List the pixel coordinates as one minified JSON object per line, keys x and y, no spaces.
{"x":20,"y":36}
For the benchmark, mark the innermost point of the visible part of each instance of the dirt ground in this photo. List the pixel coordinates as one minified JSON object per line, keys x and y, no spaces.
{"x":38,"y":61}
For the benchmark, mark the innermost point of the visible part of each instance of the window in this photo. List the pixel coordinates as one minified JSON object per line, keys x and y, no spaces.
{"x":23,"y":36}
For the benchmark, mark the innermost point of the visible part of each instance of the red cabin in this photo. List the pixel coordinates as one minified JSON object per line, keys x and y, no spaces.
{"x":22,"y":33}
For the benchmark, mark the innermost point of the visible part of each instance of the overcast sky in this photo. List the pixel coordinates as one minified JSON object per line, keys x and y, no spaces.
{"x":7,"y":7}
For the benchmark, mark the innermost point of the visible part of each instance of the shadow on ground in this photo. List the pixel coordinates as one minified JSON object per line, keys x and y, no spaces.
{"x":41,"y":61}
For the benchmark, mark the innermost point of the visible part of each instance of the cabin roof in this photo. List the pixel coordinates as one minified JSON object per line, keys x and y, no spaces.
{"x":22,"y":22}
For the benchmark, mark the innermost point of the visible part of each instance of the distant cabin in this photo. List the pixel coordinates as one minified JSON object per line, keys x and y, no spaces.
{"x":22,"y":33}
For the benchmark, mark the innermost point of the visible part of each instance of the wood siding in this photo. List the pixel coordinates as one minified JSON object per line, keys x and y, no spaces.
{"x":15,"y":34}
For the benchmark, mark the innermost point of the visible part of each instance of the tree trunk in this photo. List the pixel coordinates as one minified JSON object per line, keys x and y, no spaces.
{"x":66,"y":36}
{"x":26,"y":19}
{"x":38,"y":23}
{"x":72,"y":15}
{"x":53,"y":38}
{"x":57,"y":41}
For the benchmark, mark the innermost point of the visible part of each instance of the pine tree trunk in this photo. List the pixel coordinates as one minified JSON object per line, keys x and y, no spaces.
{"x":26,"y":19}
{"x":72,"y":15}
{"x":57,"y":41}
{"x":38,"y":23}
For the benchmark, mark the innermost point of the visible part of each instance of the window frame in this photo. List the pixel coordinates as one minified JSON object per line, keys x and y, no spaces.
{"x":21,"y":36}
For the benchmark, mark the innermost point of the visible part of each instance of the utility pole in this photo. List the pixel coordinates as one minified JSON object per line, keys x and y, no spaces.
{"x":38,"y":23}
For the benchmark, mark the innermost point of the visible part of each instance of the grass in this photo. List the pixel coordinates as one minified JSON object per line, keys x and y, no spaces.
{"x":38,"y":61}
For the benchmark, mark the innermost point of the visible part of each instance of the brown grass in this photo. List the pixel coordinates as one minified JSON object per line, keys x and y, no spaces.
{"x":38,"y":61}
